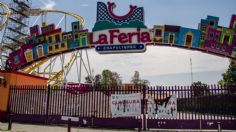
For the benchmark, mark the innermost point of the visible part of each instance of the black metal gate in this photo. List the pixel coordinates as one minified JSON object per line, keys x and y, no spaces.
{"x":197,"y":108}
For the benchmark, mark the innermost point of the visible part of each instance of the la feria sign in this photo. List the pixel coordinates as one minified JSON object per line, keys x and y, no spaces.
{"x":115,"y":34}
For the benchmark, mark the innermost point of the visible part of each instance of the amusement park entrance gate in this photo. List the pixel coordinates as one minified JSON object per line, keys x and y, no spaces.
{"x":197,"y":107}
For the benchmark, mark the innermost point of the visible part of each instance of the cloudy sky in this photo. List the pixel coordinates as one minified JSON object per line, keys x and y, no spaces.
{"x":159,"y":65}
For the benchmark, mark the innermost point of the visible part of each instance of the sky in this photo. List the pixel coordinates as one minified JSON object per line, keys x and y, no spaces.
{"x":160,"y":65}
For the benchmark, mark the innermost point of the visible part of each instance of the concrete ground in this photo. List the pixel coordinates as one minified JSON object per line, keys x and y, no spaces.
{"x":17,"y":127}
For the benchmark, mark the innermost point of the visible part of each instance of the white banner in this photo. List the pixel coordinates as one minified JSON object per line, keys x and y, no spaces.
{"x":166,"y":108}
{"x":151,"y":106}
{"x":123,"y":105}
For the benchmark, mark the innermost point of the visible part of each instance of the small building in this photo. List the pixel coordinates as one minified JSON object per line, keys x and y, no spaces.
{"x":212,"y":43}
{"x":158,"y":33}
{"x":171,"y":35}
{"x":40,"y":50}
{"x":9,"y":78}
{"x":210,"y":21}
{"x":189,"y":37}
{"x":80,"y":39}
{"x":227,"y":35}
{"x":234,"y":47}
{"x":232,"y":24}
{"x":28,"y":52}
{"x":17,"y":58}
{"x":57,"y":47}
{"x":51,"y":33}
{"x":76,"y":26}
{"x":66,"y":35}
{"x":40,"y":39}
{"x":35,"y":30}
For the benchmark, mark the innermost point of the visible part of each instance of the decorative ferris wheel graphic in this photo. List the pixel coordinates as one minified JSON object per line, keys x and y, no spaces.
{"x":17,"y":30}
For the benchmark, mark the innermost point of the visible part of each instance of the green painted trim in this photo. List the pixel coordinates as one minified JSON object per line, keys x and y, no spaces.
{"x":102,"y":25}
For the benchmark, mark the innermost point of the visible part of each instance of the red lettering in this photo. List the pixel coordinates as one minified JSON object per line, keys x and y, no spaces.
{"x":141,"y":37}
{"x":102,"y":39}
{"x":113,"y":35}
{"x":131,"y":36}
{"x":145,"y":37}
{"x":123,"y":38}
{"x":91,"y":39}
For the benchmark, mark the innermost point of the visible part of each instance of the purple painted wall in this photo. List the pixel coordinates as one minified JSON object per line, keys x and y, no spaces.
{"x":212,"y":43}
{"x":234,"y":39}
{"x":233,"y":18}
{"x":217,"y":47}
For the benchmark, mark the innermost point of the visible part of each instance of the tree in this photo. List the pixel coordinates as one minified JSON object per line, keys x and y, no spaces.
{"x":97,"y":81}
{"x":110,"y":79}
{"x":106,"y":78}
{"x":144,"y":82}
{"x":229,"y":77}
{"x":88,"y":79}
{"x":136,"y":79}
{"x":115,"y":79}
{"x":200,"y":89}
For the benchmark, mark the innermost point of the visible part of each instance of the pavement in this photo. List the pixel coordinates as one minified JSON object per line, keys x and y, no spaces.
{"x":17,"y":127}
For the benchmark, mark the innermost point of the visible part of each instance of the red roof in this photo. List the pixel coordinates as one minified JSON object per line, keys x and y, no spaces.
{"x":53,"y":32}
{"x":25,"y":74}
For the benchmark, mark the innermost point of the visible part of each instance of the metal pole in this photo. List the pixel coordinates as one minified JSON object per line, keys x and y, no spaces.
{"x":219,"y":126}
{"x":80,"y":68}
{"x":9,"y":123}
{"x":9,"y":109}
{"x":191,"y":70}
{"x":144,"y":109}
{"x":69,"y":125}
{"x":47,"y":105}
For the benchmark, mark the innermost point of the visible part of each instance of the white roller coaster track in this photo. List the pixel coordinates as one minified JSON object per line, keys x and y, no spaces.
{"x":34,"y":12}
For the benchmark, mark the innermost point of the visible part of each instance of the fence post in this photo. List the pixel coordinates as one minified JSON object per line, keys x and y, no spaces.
{"x":144,"y":109}
{"x":219,"y":126}
{"x":47,"y":105}
{"x":9,"y":109}
{"x":69,"y":125}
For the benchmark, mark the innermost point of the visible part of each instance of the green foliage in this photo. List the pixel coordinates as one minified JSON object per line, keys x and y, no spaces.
{"x":212,"y":104}
{"x":107,"y":79}
{"x":200,"y":89}
{"x":229,"y":77}
{"x":138,"y":81}
{"x":102,"y":25}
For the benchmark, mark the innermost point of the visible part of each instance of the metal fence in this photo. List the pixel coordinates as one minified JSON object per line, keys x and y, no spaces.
{"x":197,"y":107}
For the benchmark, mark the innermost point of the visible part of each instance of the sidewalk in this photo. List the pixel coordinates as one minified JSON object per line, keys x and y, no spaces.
{"x":16,"y":127}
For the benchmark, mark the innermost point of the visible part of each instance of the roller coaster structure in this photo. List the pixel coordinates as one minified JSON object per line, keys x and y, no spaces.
{"x":54,"y":77}
{"x":49,"y":41}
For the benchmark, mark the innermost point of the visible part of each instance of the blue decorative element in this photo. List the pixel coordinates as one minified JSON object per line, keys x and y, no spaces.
{"x":16,"y":59}
{"x":103,"y":15}
{"x":44,"y":47}
{"x":173,"y":31}
{"x":120,"y":48}
{"x":76,"y":26}
{"x":210,"y":21}
{"x":189,"y":37}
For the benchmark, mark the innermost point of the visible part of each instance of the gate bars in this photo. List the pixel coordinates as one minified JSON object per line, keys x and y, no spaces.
{"x":197,"y":107}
